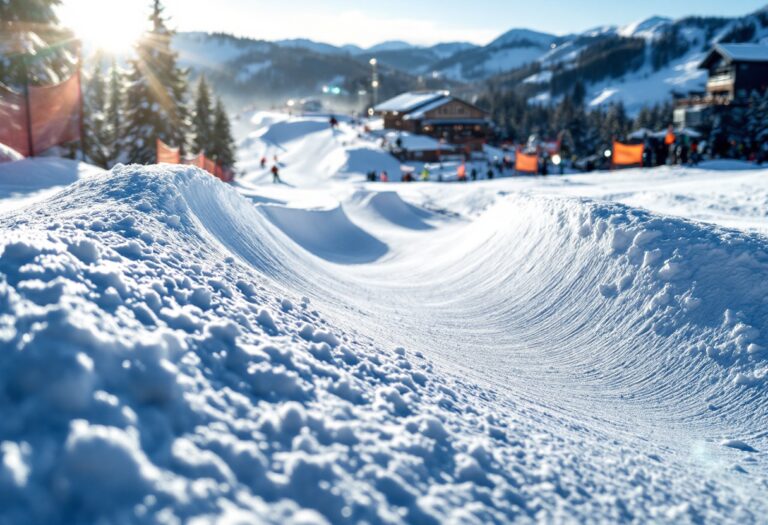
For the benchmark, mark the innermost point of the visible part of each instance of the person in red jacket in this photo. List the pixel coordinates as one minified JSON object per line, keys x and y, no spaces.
{"x":275,"y":175}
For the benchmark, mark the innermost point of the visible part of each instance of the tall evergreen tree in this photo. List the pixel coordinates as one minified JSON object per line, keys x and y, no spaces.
{"x":155,"y":106}
{"x":202,"y":121}
{"x":114,"y":118}
{"x":94,"y":110}
{"x":223,"y":145}
{"x":31,"y":38}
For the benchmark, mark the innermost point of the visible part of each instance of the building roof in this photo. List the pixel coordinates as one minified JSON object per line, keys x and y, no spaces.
{"x":737,"y":53}
{"x":421,"y":111}
{"x":407,"y":102}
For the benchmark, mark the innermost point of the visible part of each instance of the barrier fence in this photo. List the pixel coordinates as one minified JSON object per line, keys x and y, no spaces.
{"x":41,"y":117}
{"x":167,"y":154}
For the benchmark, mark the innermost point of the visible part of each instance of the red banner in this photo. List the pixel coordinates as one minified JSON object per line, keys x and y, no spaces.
{"x":167,"y":154}
{"x":526,"y":163}
{"x":627,"y":154}
{"x":54,"y":112}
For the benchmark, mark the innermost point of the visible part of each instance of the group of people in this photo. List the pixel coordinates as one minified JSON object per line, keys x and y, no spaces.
{"x":275,"y":170}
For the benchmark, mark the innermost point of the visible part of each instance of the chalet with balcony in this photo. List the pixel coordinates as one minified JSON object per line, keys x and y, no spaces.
{"x":439,"y":115}
{"x":734,"y":72}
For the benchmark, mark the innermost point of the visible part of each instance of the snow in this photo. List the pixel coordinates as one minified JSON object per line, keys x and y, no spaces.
{"x":409,"y":101}
{"x":744,"y":52}
{"x":8,"y":154}
{"x":251,"y":70}
{"x":580,"y":348}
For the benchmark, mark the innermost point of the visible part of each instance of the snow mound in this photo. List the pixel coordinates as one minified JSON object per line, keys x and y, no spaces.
{"x":309,"y":152}
{"x":389,"y":206}
{"x":329,"y":234}
{"x":672,"y":301}
{"x":8,"y":154}
{"x":162,"y":360}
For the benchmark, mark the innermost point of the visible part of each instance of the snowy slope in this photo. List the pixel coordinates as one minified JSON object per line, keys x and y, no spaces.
{"x":328,"y":350}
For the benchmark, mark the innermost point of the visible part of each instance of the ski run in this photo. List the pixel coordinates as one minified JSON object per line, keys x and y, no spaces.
{"x":578,"y":348}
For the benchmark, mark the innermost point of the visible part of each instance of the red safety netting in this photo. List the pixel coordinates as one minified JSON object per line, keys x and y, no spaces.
{"x":13,"y":121}
{"x":171,"y":155}
{"x":54,"y":114}
{"x":167,"y":154}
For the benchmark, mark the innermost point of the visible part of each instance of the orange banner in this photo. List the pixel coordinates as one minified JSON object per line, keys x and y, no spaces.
{"x":167,"y":154}
{"x":526,"y":163}
{"x":627,"y":154}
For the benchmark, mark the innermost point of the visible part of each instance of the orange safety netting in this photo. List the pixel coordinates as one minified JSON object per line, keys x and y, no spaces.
{"x":54,"y":113}
{"x":171,"y":155}
{"x":167,"y":154}
{"x":526,"y":163}
{"x":627,"y":154}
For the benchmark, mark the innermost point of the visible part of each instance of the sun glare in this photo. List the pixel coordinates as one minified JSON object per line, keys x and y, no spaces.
{"x":112,"y":27}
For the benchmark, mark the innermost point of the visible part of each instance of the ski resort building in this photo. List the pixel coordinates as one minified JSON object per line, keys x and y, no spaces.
{"x":735,"y":72}
{"x":438,"y":115}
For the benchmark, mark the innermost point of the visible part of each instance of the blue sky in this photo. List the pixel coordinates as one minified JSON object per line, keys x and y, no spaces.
{"x":364,"y":22}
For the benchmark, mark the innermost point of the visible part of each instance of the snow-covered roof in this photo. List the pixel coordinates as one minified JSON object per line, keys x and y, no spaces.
{"x":738,"y":53}
{"x":407,"y":102}
{"x":420,"y":112}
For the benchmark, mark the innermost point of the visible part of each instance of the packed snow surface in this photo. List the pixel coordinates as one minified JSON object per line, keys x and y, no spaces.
{"x":581,"y":348}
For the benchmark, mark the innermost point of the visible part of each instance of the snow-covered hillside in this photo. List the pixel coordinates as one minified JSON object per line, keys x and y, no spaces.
{"x":333,"y":351}
{"x":669,"y":65}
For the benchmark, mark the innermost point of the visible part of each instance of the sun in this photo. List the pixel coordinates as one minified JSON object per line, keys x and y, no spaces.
{"x":112,"y":27}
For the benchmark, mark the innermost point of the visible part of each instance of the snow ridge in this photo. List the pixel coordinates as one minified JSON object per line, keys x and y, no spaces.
{"x":160,"y":362}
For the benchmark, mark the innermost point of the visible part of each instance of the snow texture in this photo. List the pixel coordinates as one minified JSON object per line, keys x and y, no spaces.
{"x":173,"y":349}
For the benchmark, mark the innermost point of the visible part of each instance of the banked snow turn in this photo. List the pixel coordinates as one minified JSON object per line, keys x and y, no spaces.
{"x":171,"y":351}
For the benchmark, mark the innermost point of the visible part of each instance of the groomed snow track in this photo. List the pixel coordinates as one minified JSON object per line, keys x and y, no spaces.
{"x":171,"y":351}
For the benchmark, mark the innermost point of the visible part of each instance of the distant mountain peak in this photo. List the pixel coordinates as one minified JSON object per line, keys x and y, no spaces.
{"x":519,"y":35}
{"x":644,"y":27}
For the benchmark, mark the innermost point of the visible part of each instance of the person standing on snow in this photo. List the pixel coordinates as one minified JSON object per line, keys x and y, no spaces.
{"x":275,"y":175}
{"x":473,"y":173}
{"x":384,"y":177}
{"x":425,"y":174}
{"x":263,"y":162}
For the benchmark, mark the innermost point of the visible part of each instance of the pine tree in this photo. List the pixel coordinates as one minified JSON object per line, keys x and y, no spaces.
{"x":113,"y":118}
{"x":155,"y":98}
{"x":94,"y":110}
{"x":202,"y":121}
{"x":32,"y":39}
{"x":223,"y":145}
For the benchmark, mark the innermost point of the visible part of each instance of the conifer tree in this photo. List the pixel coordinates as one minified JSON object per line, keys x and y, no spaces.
{"x":155,"y":106}
{"x":30,"y":29}
{"x":223,"y":145}
{"x":113,"y":118}
{"x":94,"y":109}
{"x":202,"y":121}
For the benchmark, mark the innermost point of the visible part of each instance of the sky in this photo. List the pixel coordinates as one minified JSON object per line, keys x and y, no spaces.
{"x":365,"y":23}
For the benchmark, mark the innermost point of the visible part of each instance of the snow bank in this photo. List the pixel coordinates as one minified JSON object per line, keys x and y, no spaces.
{"x":160,"y":362}
{"x":8,"y":154}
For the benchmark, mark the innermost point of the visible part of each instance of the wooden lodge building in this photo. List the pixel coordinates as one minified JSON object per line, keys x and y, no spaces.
{"x":734,"y":72}
{"x":439,"y":115}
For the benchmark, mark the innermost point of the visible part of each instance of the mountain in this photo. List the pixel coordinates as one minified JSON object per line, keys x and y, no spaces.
{"x":246,"y":71}
{"x":637,"y":64}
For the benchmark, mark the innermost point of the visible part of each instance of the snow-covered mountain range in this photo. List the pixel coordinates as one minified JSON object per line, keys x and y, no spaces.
{"x":638,"y":64}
